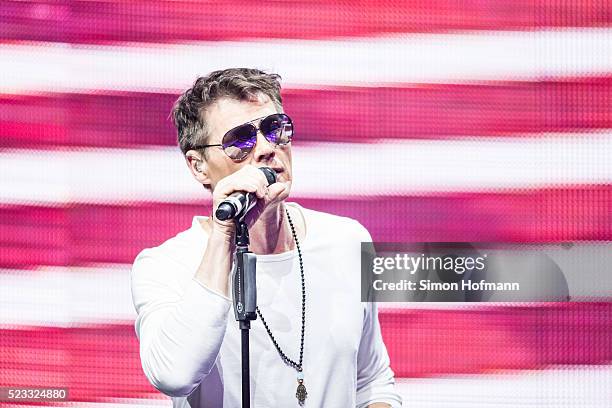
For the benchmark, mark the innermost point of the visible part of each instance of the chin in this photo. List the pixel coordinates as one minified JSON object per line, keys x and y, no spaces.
{"x":283,"y":179}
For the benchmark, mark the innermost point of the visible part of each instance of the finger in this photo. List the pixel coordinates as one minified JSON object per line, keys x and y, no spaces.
{"x":249,"y":186}
{"x":278,"y":191}
{"x":251,"y":171}
{"x":262,"y":192}
{"x":261,"y":176}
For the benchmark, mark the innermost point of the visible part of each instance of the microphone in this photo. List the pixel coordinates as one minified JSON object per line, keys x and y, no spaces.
{"x":239,"y":203}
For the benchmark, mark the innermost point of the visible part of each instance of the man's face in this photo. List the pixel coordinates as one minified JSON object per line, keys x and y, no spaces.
{"x":226,"y":114}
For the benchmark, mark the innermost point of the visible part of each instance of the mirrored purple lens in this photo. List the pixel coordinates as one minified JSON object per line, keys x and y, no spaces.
{"x":278,"y":129}
{"x":239,"y":142}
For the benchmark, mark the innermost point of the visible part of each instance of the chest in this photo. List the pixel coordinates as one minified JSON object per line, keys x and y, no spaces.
{"x":333,"y":312}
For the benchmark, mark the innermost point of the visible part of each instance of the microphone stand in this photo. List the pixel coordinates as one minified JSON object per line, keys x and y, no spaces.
{"x":244,"y":299}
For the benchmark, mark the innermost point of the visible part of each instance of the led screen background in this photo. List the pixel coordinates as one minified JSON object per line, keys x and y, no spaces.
{"x":427,"y":121}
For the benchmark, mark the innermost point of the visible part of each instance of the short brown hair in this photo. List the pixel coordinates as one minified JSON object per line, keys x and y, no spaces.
{"x":243,"y":84}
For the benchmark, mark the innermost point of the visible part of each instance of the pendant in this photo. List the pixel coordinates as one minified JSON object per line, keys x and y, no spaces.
{"x":301,"y":393}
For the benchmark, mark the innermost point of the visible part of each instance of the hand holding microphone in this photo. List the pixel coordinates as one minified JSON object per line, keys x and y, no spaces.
{"x":238,"y":204}
{"x":251,"y":189}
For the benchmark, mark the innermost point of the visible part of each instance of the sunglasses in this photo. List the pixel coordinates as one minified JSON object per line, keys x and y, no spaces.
{"x":238,"y":142}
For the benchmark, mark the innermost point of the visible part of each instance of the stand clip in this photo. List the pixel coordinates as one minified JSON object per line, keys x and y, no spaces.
{"x":244,"y":276}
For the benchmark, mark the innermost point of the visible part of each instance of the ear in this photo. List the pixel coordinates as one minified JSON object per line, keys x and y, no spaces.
{"x":198,"y":167}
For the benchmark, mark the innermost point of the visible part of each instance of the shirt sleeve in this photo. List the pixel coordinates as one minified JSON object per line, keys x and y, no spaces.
{"x":180,"y":329}
{"x":375,"y":379}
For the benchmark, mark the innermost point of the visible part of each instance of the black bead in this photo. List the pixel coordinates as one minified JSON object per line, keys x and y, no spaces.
{"x":286,"y":359}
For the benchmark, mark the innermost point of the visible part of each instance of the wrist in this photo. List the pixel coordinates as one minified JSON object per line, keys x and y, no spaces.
{"x":221,"y":234}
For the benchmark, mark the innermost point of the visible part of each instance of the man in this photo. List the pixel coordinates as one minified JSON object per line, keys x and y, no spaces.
{"x":317,"y":332}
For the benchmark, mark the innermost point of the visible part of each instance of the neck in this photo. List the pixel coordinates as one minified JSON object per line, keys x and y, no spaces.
{"x":271,"y":233}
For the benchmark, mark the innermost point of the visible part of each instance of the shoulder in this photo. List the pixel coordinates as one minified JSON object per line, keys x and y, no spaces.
{"x":322,"y":223}
{"x":174,"y":254}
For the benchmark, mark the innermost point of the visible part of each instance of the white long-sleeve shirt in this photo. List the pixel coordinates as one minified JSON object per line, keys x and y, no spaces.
{"x":190,"y":341}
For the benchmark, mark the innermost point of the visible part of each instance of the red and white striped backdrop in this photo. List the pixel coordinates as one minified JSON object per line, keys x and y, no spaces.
{"x":473,"y":121}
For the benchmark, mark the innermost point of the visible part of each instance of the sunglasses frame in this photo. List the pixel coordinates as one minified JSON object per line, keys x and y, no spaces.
{"x":258,"y":130}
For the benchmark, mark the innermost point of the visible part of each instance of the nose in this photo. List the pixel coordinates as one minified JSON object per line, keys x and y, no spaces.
{"x":264,"y":150}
